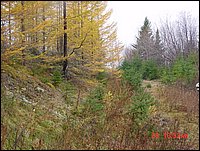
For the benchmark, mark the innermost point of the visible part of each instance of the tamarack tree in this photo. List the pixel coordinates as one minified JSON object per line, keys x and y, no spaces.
{"x":75,"y":33}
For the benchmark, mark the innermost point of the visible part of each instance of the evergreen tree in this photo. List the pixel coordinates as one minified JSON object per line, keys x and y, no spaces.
{"x":145,"y":43}
{"x":159,"y":54}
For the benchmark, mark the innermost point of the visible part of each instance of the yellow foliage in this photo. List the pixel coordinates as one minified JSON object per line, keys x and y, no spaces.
{"x":91,"y":41}
{"x":51,"y":85}
{"x":108,"y":98}
{"x":152,"y":110}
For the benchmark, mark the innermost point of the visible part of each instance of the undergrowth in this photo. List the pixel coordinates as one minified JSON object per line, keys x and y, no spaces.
{"x":113,"y":115}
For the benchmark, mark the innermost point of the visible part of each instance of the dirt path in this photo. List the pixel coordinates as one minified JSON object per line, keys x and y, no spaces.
{"x":152,"y":87}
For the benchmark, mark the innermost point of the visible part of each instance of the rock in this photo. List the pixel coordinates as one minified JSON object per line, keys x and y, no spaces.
{"x":39,"y":89}
{"x":25,"y":100}
{"x":9,"y":94}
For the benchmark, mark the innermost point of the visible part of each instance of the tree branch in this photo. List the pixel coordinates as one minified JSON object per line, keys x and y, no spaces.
{"x":78,"y":46}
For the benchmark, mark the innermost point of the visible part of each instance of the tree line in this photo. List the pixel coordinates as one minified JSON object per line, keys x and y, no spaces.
{"x":172,"y":39}
{"x":170,"y":54}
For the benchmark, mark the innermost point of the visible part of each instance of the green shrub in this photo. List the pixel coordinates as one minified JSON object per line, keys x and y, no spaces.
{"x":94,"y":101}
{"x":139,"y":108}
{"x":183,"y":69}
{"x":45,"y":79}
{"x":57,"y":77}
{"x":69,"y":92}
{"x":133,"y":72}
{"x":37,"y":69}
{"x":137,"y":69}
{"x":150,"y":70}
{"x":167,"y":76}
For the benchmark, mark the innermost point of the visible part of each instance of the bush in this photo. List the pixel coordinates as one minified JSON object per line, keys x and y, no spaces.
{"x":139,"y":109}
{"x":183,"y":69}
{"x":57,"y":77}
{"x":136,"y":70}
{"x":167,"y":76}
{"x":133,"y":72}
{"x":94,"y":102}
{"x":150,"y":70}
{"x":69,"y":92}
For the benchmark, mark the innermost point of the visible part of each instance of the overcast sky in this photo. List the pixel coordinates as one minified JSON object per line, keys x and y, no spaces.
{"x":130,"y":15}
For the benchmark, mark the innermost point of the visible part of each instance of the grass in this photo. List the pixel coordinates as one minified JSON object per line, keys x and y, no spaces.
{"x":181,"y":99}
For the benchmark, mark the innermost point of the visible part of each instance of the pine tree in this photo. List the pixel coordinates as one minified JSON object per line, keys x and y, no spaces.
{"x":158,"y":49}
{"x":145,"y":41}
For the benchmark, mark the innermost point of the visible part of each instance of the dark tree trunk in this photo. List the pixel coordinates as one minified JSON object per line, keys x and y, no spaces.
{"x":43,"y":33}
{"x":9,"y":24}
{"x":65,"y":63}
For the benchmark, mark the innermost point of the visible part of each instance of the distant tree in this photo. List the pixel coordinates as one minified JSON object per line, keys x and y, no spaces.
{"x":145,"y":41}
{"x":159,"y":56}
{"x":179,"y":37}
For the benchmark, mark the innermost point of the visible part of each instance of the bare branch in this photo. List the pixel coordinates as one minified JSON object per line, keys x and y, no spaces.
{"x":79,"y":45}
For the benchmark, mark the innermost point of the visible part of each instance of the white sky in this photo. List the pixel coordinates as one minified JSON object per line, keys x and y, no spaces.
{"x":130,"y":15}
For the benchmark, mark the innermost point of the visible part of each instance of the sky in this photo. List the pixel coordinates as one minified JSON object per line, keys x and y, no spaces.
{"x":130,"y":15}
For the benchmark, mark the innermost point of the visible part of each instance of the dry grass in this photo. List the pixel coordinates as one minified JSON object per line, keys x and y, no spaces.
{"x":181,"y":99}
{"x":116,"y":130}
{"x":182,"y":104}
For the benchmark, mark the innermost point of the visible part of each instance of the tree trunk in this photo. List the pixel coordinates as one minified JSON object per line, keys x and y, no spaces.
{"x":43,"y":33}
{"x":9,"y":24}
{"x":65,"y":63}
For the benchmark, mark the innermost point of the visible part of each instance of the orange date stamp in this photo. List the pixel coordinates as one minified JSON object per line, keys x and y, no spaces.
{"x":170,"y":135}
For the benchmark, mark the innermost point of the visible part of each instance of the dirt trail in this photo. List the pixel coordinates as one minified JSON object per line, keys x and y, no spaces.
{"x":154,"y":86}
